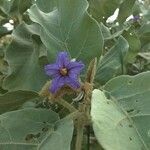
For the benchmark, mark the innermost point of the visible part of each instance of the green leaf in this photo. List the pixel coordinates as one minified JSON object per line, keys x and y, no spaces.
{"x":13,"y":100}
{"x":69,"y":28}
{"x":105,"y":31}
{"x":130,"y":100}
{"x":14,"y":7}
{"x":2,"y":14}
{"x":125,"y":10}
{"x":46,"y":5}
{"x":26,"y":69}
{"x":114,"y":126}
{"x":144,"y":29}
{"x":147,"y":14}
{"x":113,"y":61}
{"x":144,"y":34}
{"x":60,"y":139}
{"x":102,"y":9}
{"x":134,"y":45}
{"x":36,"y":129}
{"x":132,"y":89}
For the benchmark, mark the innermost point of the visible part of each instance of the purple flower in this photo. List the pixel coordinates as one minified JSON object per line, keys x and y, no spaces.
{"x":64,"y":72}
{"x":136,"y":18}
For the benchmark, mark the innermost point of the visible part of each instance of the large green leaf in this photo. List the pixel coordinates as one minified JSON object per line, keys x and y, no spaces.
{"x":113,"y":61}
{"x":121,"y":120}
{"x":36,"y":129}
{"x":13,"y":100}
{"x":69,"y":28}
{"x":23,"y":56}
{"x":102,"y":9}
{"x":116,"y":129}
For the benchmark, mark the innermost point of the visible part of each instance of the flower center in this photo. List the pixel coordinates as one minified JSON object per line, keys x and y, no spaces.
{"x":64,"y":71}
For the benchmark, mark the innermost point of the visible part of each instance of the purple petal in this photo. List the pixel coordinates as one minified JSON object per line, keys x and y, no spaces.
{"x":75,"y":65}
{"x":56,"y":84}
{"x":75,"y":68}
{"x":62,"y":59}
{"x":74,"y":83}
{"x":52,"y":69}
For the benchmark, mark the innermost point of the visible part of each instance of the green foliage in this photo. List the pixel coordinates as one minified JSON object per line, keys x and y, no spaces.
{"x":34,"y":129}
{"x":102,"y":9}
{"x":14,"y":7}
{"x":125,"y":10}
{"x":134,"y":45}
{"x":123,"y":113}
{"x":42,"y":28}
{"x":69,"y":28}
{"x":113,"y":61}
{"x":13,"y":100}
{"x":144,"y":34}
{"x":50,"y":5}
{"x":111,"y":126}
{"x":23,"y":56}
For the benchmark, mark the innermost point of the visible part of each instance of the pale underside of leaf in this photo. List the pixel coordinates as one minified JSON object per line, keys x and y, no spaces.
{"x":114,"y":127}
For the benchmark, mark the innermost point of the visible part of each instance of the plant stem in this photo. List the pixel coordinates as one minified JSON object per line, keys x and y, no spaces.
{"x":79,"y":138}
{"x":66,"y":105}
{"x":20,"y":20}
{"x":88,"y":137}
{"x":74,"y":115}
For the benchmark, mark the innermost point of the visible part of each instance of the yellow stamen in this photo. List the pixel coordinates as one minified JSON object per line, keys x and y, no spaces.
{"x":64,"y":71}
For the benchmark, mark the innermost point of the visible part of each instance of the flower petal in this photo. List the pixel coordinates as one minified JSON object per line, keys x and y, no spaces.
{"x":51,"y":69}
{"x":72,"y":82}
{"x":56,"y":84}
{"x":62,"y":59}
{"x":75,"y":68}
{"x":75,"y":65}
